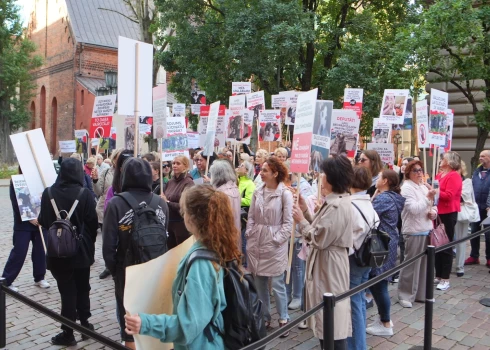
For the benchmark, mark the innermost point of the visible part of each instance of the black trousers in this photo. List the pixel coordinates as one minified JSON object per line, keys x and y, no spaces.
{"x":74,"y":288}
{"x":444,"y":259}
{"x":119,"y":283}
{"x":177,"y":234}
{"x":340,"y":344}
{"x":475,"y":242}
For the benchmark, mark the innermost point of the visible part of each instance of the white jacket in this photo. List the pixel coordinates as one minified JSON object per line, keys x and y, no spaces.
{"x":359,"y":227}
{"x":415,"y":217}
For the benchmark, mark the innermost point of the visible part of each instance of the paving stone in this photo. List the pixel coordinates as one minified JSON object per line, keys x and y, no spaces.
{"x":469,"y":341}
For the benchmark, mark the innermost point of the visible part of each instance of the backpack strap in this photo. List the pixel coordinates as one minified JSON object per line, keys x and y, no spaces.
{"x":203,"y":253}
{"x":53,"y":204}
{"x":129,"y":198}
{"x":155,"y":200}
{"x":359,"y":210}
{"x":72,"y":209}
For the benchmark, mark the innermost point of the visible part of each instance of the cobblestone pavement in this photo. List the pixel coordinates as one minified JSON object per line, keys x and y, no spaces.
{"x":460,"y":322}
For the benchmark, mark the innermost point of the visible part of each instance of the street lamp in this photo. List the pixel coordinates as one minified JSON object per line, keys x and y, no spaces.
{"x":111,"y":81}
{"x":101,"y":91}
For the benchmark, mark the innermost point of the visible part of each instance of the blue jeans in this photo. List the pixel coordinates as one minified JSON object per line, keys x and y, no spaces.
{"x":297,"y":281}
{"x":279,"y":289}
{"x":358,"y":275}
{"x":382,"y":299}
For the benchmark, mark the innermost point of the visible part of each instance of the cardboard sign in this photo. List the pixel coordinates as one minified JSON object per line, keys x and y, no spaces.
{"x":320,"y":145}
{"x":29,"y":206}
{"x":68,"y":146}
{"x":303,"y":132}
{"x":160,"y":111}
{"x":256,"y":103}
{"x":278,"y":101}
{"x":438,"y":117}
{"x":449,"y":132}
{"x":385,"y":151}
{"x":176,"y":140}
{"x":198,"y":97}
{"x":104,"y":106}
{"x":145,"y":125}
{"x":222,"y":128}
{"x":126,"y":77}
{"x":193,"y":139}
{"x":236,"y":104}
{"x":353,"y":100}
{"x":269,"y":125}
{"x":211,"y":140}
{"x":129,"y":132}
{"x":100,"y":127}
{"x":422,"y":124}
{"x":345,"y":132}
{"x":241,"y":88}
{"x":178,"y":110}
{"x":195,"y":109}
{"x":394,"y":106}
{"x":381,"y":131}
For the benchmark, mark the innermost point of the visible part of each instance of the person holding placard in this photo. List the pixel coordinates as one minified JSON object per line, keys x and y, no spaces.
{"x":268,"y":230}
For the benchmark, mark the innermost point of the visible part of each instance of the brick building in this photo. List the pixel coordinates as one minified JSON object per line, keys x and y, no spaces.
{"x":78,"y":41}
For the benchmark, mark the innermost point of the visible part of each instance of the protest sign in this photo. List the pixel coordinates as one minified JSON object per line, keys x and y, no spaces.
{"x":81,"y":140}
{"x":300,"y":153}
{"x":100,"y":127}
{"x":95,"y":142}
{"x":126,"y":77}
{"x":201,"y":130}
{"x":104,"y":106}
{"x":241,"y":88}
{"x":198,"y":97}
{"x":353,"y":100}
{"x":195,"y":109}
{"x":211,"y":140}
{"x":178,"y":110}
{"x":256,"y":103}
{"x":160,"y":111}
{"x":438,"y":117}
{"x":113,"y":133}
{"x":192,"y":139}
{"x":145,"y":125}
{"x":385,"y":151}
{"x":68,"y":146}
{"x":320,"y":145}
{"x":176,"y":141}
{"x":150,"y":290}
{"x":129,"y":132}
{"x":422,"y":124}
{"x":34,"y":160}
{"x":236,"y":104}
{"x":449,"y":131}
{"x":381,"y":131}
{"x":29,"y":206}
{"x":269,"y":125}
{"x":80,"y":134}
{"x":345,"y":132}
{"x":394,"y":106}
{"x":248,"y":118}
{"x":221,"y":129}
{"x":278,"y":101}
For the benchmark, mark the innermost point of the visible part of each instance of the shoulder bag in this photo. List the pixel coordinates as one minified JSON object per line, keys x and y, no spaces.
{"x":438,"y":236}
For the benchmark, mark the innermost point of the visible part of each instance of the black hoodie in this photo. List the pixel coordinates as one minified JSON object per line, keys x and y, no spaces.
{"x":118,"y":218}
{"x":65,"y":191}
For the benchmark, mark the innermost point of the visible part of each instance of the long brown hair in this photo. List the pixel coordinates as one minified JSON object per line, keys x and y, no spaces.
{"x":392,"y":179}
{"x":210,"y":211}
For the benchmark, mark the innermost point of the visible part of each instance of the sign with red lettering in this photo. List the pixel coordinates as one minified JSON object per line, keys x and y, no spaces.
{"x":100,"y":127}
{"x":353,"y":100}
{"x":102,"y":116}
{"x":345,"y":132}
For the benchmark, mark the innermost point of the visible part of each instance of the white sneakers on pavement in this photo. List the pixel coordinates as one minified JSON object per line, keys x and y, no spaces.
{"x":405,"y":303}
{"x":42,"y":284}
{"x":303,"y":325}
{"x":377,"y":328}
{"x":295,"y":304}
{"x":13,"y":288}
{"x":443,"y":285}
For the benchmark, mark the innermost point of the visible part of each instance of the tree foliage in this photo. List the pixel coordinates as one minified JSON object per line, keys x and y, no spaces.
{"x":16,"y":86}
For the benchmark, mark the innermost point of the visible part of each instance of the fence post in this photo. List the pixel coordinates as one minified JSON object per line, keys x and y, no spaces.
{"x":3,"y":312}
{"x":429,"y":297}
{"x":328,"y":309}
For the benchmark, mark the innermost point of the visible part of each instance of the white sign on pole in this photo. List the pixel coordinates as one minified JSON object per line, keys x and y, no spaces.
{"x":211,"y":141}
{"x":394,"y":106}
{"x":422,"y":124}
{"x":241,"y":88}
{"x":104,"y":106}
{"x":68,"y":146}
{"x":178,"y":110}
{"x":126,"y":84}
{"x":345,"y":132}
{"x":438,"y":117}
{"x":449,"y":132}
{"x":385,"y":151}
{"x":160,"y":111}
{"x":248,"y":119}
{"x":176,"y":141}
{"x":322,"y":127}
{"x":193,"y":139}
{"x":29,"y":207}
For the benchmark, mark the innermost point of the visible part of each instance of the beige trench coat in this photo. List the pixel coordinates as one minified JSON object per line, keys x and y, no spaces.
{"x":100,"y":189}
{"x":327,"y":267}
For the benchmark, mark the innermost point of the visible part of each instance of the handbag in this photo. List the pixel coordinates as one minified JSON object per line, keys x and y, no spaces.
{"x":373,"y":251}
{"x":438,"y":236}
{"x":469,"y":210}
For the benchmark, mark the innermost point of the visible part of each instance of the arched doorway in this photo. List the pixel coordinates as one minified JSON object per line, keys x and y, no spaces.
{"x":33,"y":115}
{"x":43,"y":110}
{"x":54,"y":124}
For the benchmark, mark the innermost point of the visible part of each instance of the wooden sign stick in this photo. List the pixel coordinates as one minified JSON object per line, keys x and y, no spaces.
{"x":425,"y":165}
{"x":161,"y":167}
{"x":136,"y":104}
{"x":258,"y":133}
{"x":291,"y":242}
{"x":207,"y":166}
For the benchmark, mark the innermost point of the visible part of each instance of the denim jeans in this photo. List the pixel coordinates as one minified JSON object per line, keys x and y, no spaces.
{"x":382,"y":299}
{"x":279,"y":290}
{"x":297,"y":281}
{"x":358,"y":275}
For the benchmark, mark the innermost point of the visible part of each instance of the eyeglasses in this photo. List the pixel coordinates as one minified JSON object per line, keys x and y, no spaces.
{"x":362,"y":160}
{"x":419,"y":170}
{"x":165,"y":166}
{"x":199,"y":160}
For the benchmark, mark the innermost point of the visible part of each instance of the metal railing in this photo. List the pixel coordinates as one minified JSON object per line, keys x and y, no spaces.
{"x":327,"y":305}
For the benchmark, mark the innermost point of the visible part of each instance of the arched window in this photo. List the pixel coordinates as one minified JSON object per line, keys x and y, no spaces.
{"x":54,"y":124}
{"x":43,"y":109}
{"x":82,"y":98}
{"x":33,"y":115}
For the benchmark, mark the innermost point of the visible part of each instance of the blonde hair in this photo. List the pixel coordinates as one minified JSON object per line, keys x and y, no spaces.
{"x":91,"y":160}
{"x":463,"y":171}
{"x":184,"y":161}
{"x":282,"y":151}
{"x":76,"y":156}
{"x":262,"y":152}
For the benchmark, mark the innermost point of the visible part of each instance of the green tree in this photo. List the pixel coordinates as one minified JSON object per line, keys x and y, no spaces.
{"x":16,"y":86}
{"x":453,"y":44}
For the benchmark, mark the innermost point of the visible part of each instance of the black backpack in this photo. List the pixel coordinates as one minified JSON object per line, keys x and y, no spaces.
{"x":243,"y":316}
{"x":148,"y":235}
{"x":63,"y":239}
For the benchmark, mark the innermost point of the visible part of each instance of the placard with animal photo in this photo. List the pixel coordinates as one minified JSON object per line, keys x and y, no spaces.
{"x":235,"y":127}
{"x":422,"y":124}
{"x":248,"y":118}
{"x":345,"y":132}
{"x":269,"y":125}
{"x":394,"y":105}
{"x":29,"y":206}
{"x":322,"y":125}
{"x":438,"y":117}
{"x":129,"y":132}
{"x":178,"y":110}
{"x":176,"y":140}
{"x":145,"y":125}
{"x":381,"y":135}
{"x":449,"y":132}
{"x":221,"y":129}
{"x":256,"y":103}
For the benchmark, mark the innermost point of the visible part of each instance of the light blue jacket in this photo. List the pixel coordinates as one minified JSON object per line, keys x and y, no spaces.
{"x":201,"y":302}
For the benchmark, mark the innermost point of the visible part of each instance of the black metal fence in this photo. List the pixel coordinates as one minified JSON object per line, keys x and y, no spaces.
{"x":327,"y":305}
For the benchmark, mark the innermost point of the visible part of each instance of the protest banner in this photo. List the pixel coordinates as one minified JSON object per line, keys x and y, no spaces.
{"x":248,"y":118}
{"x":322,"y":125}
{"x":449,"y":131}
{"x":256,"y":102}
{"x":145,"y":125}
{"x":278,"y":101}
{"x":129,"y":132}
{"x":394,"y":106}
{"x":195,"y":109}
{"x":198,"y":97}
{"x":160,"y":111}
{"x":385,"y":151}
{"x":345,"y":132}
{"x":69,"y":146}
{"x":211,"y":140}
{"x":269,"y":125}
{"x":241,"y":88}
{"x":176,"y":141}
{"x":353,"y":100}
{"x":178,"y":110}
{"x":100,"y":127}
{"x":81,"y":140}
{"x":135,"y":81}
{"x":236,"y":104}
{"x":221,"y":128}
{"x":203,"y":122}
{"x":438,"y":117}
{"x":150,"y":290}
{"x":422,"y":124}
{"x":192,"y":139}
{"x":29,"y":206}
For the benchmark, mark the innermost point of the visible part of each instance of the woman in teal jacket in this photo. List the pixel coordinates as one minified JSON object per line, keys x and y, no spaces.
{"x":208,"y":216}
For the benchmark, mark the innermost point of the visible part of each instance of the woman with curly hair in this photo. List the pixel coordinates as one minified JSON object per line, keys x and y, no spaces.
{"x":268,"y":229}
{"x":207,"y":215}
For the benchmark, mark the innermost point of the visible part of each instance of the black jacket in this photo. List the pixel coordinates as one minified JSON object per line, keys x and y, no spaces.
{"x":65,"y":191}
{"x":118,"y":218}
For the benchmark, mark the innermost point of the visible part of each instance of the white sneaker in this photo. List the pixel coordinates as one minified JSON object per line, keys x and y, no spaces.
{"x":303,"y":325}
{"x":294,"y":304}
{"x":379,"y":329}
{"x":437,"y":280}
{"x":444,"y":285}
{"x":13,"y":288}
{"x":42,"y":284}
{"x":405,"y":303}
{"x":378,"y":321}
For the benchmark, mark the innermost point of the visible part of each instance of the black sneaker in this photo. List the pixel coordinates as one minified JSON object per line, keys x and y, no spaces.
{"x":106,"y":273}
{"x":64,"y":339}
{"x":89,"y":326}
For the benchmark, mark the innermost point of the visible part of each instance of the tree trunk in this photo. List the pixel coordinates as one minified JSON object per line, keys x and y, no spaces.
{"x":480,"y":145}
{"x":6,"y":148}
